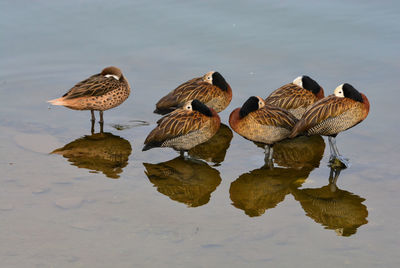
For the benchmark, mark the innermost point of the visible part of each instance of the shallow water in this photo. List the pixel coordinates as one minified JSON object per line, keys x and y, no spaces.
{"x":69,"y":199}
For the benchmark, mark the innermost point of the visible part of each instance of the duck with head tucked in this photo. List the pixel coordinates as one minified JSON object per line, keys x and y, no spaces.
{"x":99,"y":92}
{"x":344,"y":109}
{"x":297,"y":96}
{"x":184,"y":128}
{"x":262,"y":123}
{"x":211,"y":89}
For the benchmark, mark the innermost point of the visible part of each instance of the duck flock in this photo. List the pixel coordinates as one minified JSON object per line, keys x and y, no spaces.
{"x":190,"y":112}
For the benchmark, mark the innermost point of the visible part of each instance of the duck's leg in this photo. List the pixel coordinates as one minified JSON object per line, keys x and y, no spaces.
{"x":92,"y":121}
{"x":101,"y":122}
{"x":269,"y":151}
{"x":335,"y":153}
{"x":333,"y":176}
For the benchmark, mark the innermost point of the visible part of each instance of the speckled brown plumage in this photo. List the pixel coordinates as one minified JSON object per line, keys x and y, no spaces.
{"x":332,"y":115}
{"x":294,"y":98}
{"x":211,"y":89}
{"x":267,"y":124}
{"x":99,"y":92}
{"x":184,"y":128}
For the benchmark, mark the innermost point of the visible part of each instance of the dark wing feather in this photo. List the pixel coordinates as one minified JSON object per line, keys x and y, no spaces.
{"x":291,"y":96}
{"x":177,"y":123}
{"x":96,"y":85}
{"x":274,"y":116}
{"x":323,"y":109}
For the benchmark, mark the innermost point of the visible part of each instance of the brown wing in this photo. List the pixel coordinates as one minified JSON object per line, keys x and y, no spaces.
{"x":323,"y":109}
{"x":179,"y":122}
{"x":274,"y":116}
{"x":291,"y":96}
{"x":193,"y":89}
{"x":96,"y":85}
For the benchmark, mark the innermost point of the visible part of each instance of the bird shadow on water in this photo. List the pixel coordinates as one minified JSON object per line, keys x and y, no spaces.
{"x":264,"y":188}
{"x":214,"y":150}
{"x":100,"y":152}
{"x":333,"y":208}
{"x":186,"y":180}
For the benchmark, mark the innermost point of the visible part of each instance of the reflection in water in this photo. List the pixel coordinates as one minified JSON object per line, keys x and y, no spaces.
{"x":99,"y":152}
{"x":187,"y":181}
{"x":214,"y":150}
{"x":300,"y":152}
{"x":264,"y":188}
{"x":335,"y":209}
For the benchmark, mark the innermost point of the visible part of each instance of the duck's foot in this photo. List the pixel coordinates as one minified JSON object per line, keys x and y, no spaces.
{"x":338,"y":161}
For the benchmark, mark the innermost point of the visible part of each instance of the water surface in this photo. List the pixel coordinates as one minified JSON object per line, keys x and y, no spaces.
{"x":69,"y":199}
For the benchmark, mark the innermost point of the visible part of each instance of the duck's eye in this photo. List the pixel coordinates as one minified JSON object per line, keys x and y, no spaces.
{"x":188,"y":107}
{"x":209,"y":78}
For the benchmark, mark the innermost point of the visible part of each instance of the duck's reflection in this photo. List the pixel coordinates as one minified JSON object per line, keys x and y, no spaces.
{"x":214,"y":150}
{"x":188,"y":181}
{"x":301,"y":152}
{"x":102,"y":152}
{"x":264,"y":188}
{"x":332,"y":207}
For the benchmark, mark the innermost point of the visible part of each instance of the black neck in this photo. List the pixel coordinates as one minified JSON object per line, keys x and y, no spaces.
{"x":201,"y":107}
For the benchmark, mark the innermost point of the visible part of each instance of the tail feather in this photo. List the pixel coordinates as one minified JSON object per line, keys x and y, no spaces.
{"x":152,"y":144}
{"x":59,"y":101}
{"x":298,"y":129}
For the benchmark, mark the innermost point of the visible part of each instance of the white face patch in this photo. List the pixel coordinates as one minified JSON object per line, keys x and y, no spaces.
{"x":112,"y":75}
{"x":188,"y":106}
{"x":339,"y":91}
{"x":261,"y":102}
{"x":208,"y":77}
{"x":298,"y":81}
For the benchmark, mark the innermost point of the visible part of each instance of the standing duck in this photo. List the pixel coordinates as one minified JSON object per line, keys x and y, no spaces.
{"x":211,"y":89}
{"x":99,"y":92}
{"x":297,"y":96}
{"x":336,"y":113}
{"x":262,"y":123}
{"x":184,"y":128}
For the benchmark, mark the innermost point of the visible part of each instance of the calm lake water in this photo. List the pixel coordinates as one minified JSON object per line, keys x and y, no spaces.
{"x":68,"y":199}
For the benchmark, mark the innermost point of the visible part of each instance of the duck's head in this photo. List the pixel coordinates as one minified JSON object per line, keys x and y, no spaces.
{"x":196,"y":105}
{"x":348,"y":91}
{"x":252,"y":104}
{"x":112,"y":71}
{"x":216,"y":79}
{"x":308,"y":83}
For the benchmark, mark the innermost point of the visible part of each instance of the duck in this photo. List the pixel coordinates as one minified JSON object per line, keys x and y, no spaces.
{"x":262,"y":123}
{"x":184,"y":128}
{"x":211,"y":89}
{"x":99,"y":92}
{"x":297,"y":96}
{"x":344,"y":109}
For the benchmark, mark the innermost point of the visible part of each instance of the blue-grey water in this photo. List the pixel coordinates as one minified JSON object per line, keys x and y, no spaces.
{"x":100,"y":201}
